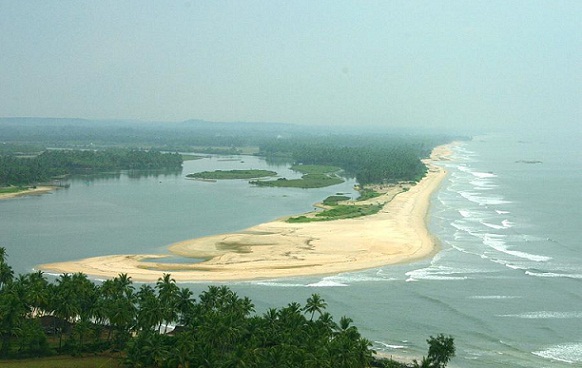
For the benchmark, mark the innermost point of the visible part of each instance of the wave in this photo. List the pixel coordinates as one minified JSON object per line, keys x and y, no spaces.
{"x":390,"y":346}
{"x":568,"y":353}
{"x":494,"y":297}
{"x":481,"y":200}
{"x":496,"y":242}
{"x":442,"y":273}
{"x":326,"y":283}
{"x":554,"y":274}
{"x":278,"y":284}
{"x":545,"y":315}
{"x":500,"y":212}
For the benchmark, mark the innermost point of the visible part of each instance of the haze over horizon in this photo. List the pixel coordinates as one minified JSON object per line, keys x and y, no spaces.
{"x":414,"y":64}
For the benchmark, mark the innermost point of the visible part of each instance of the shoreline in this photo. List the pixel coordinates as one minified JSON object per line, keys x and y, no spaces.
{"x":276,"y":249}
{"x":39,"y":190}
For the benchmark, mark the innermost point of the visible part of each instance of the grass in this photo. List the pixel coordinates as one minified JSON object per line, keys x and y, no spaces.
{"x":333,"y":200}
{"x":340,"y":212}
{"x":368,"y":194}
{"x":10,"y":190}
{"x":62,"y":361}
{"x":232,"y":174}
{"x":306,"y":182}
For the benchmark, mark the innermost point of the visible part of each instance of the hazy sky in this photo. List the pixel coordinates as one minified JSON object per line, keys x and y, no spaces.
{"x":394,"y":63}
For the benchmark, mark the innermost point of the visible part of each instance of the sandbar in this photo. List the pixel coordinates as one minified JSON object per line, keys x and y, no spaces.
{"x":396,"y":234}
{"x":30,"y":191}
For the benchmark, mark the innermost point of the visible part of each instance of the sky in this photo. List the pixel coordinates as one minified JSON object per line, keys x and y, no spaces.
{"x":419,"y":64}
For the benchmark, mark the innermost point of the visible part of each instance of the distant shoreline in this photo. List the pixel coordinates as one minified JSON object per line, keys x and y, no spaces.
{"x":43,"y":189}
{"x":277,"y":249}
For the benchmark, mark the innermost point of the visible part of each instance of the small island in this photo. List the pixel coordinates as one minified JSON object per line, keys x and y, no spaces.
{"x":231,"y":174}
{"x":315,"y":176}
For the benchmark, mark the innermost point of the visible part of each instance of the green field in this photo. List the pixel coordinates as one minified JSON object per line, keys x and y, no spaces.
{"x":232,"y":174}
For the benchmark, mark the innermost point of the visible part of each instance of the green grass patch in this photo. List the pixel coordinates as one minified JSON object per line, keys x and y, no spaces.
{"x":306,"y":182}
{"x":339,"y":212}
{"x":65,"y":362}
{"x":333,"y":200}
{"x":10,"y":190}
{"x":232,"y":174}
{"x":368,"y":194}
{"x":315,"y":169}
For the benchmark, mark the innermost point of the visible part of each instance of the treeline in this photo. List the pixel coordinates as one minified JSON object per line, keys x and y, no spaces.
{"x":218,"y":329}
{"x":28,"y":170}
{"x":369,"y":159}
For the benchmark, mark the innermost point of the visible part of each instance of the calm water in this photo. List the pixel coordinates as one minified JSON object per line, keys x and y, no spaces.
{"x":507,"y":283}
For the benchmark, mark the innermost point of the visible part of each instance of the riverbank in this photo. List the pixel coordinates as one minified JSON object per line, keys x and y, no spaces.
{"x":30,"y":191}
{"x":278,"y":249}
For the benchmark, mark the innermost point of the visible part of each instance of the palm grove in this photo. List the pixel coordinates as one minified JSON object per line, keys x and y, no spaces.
{"x":218,"y":329}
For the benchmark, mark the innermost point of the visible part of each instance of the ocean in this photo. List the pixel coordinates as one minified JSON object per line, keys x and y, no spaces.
{"x":506,"y":283}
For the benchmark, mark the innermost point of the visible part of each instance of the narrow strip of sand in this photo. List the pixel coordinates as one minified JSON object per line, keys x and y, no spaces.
{"x":30,"y":191}
{"x":277,"y":249}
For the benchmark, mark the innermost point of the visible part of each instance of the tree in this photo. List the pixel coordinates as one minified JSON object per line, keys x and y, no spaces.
{"x":440,"y":351}
{"x":315,"y":303}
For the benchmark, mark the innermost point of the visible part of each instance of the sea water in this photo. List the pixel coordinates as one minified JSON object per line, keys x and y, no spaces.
{"x":506,"y":283}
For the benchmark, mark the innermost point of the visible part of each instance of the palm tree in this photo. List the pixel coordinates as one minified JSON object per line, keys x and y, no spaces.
{"x":168,"y":298}
{"x":315,"y":303}
{"x":6,"y":272}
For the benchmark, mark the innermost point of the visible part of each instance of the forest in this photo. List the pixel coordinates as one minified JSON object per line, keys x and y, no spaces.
{"x":15,"y":170}
{"x":369,"y":155}
{"x":164,"y":325}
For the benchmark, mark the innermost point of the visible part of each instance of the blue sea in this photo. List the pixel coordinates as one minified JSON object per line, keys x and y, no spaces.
{"x":506,"y":283}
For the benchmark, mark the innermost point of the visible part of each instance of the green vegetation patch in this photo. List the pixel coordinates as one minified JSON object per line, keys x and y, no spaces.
{"x":366,"y":194}
{"x":315,"y":169}
{"x":333,"y":200}
{"x":306,"y":182}
{"x":232,"y":174}
{"x":9,"y":190}
{"x":340,"y":212}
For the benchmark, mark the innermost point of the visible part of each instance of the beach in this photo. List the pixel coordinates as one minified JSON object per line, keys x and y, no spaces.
{"x":30,"y":191}
{"x":278,"y":249}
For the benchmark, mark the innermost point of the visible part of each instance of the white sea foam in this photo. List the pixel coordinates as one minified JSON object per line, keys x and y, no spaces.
{"x":493,"y":226}
{"x":442,"y":273}
{"x":483,"y":174}
{"x":390,"y":346}
{"x":545,"y":315}
{"x":494,"y":297}
{"x":500,"y":212}
{"x":465,"y":213}
{"x":326,"y":283}
{"x":568,"y":353}
{"x":497,"y":242}
{"x":506,"y":223}
{"x":483,"y":201}
{"x":277,"y":284}
{"x":554,"y":274}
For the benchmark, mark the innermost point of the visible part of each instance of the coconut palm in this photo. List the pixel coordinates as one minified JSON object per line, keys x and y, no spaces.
{"x":314,"y":304}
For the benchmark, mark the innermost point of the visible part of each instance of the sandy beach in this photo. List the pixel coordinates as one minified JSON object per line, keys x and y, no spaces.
{"x":31,"y":191}
{"x":278,"y":249}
